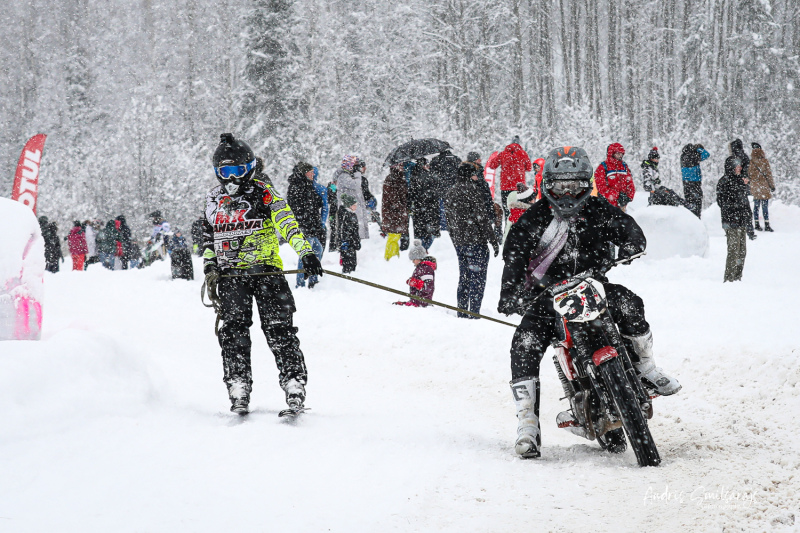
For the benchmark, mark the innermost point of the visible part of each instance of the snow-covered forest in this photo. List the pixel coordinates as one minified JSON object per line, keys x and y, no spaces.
{"x":133,"y":95}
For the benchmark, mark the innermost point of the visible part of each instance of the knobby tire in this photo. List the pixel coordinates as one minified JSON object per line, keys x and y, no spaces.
{"x":633,"y":420}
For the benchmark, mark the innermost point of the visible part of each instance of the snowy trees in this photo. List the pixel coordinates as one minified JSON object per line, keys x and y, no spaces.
{"x":134,"y":95}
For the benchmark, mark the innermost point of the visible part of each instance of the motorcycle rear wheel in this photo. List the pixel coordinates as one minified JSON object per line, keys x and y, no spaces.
{"x":633,"y":420}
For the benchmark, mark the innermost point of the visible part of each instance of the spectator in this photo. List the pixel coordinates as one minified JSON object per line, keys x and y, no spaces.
{"x":691,"y":157}
{"x":444,"y":168}
{"x":90,"y":230}
{"x":349,"y":181}
{"x":52,"y":245}
{"x":129,"y":250}
{"x":394,"y":206}
{"x":422,"y":281}
{"x":180,"y":256}
{"x":538,"y":166}
{"x":159,"y":236}
{"x":737,"y":220}
{"x":197,"y":236}
{"x":322,"y":191}
{"x":762,"y":185}
{"x":306,"y":204}
{"x":76,"y":242}
{"x":737,"y":150}
{"x":470,"y":230}
{"x":493,"y":210}
{"x":613,"y":178}
{"x":107,"y":239}
{"x":349,"y":235}
{"x":423,"y":203}
{"x":514,"y":163}
{"x":651,"y":182}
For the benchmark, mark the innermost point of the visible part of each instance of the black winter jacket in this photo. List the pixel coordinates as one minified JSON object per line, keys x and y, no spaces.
{"x":348,"y":229}
{"x":468,"y":218}
{"x":444,"y":168}
{"x":732,"y":200}
{"x":597,"y":224}
{"x":306,"y":205}
{"x":423,"y":203}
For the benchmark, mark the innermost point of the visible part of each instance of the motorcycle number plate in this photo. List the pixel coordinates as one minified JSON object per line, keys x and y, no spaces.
{"x":582,"y":303}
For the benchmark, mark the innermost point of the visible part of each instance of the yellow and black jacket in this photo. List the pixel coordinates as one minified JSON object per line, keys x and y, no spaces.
{"x":240,"y":232}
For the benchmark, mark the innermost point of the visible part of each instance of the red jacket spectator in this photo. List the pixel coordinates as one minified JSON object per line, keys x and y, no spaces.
{"x":77,"y":241}
{"x":515,"y":163}
{"x":537,"y":184}
{"x":613,"y":178}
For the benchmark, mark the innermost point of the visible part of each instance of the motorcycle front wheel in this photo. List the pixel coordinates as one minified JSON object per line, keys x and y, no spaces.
{"x":630,"y":413}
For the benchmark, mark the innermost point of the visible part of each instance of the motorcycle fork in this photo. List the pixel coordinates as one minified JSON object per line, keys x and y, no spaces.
{"x":615,"y":339}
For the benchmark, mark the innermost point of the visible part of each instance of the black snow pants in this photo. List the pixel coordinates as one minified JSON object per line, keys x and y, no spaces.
{"x":276,"y":307}
{"x":538,"y":328}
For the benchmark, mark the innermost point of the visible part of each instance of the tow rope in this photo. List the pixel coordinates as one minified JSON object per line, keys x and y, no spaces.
{"x":215,"y":303}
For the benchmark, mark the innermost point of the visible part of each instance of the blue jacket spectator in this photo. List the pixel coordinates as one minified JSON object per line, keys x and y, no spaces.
{"x":691,"y":156}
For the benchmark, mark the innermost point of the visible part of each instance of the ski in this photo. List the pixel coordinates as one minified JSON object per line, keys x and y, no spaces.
{"x":292,"y":412}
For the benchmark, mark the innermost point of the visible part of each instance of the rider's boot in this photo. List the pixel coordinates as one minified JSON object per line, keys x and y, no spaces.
{"x":239,"y":394}
{"x":652,"y":376}
{"x":526,"y":399}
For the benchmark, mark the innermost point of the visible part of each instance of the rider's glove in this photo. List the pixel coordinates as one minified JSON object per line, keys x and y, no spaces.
{"x":623,"y":199}
{"x":626,"y":251}
{"x":509,"y":305}
{"x":212,"y":281}
{"x":311,"y":265}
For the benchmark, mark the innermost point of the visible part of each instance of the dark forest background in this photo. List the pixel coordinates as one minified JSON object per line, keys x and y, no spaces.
{"x":134,"y":94}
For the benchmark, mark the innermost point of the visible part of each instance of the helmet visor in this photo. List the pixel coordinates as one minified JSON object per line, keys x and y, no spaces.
{"x":232,"y":172}
{"x":571,"y":187}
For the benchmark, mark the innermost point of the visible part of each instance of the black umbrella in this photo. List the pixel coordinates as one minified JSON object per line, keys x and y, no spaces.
{"x":415,"y":149}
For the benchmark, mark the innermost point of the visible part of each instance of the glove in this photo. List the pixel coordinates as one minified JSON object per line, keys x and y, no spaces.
{"x":623,"y":199}
{"x":392,"y":246}
{"x":311,"y":265}
{"x":626,"y":251}
{"x":508,"y":306}
{"x":415,"y":283}
{"x":496,"y":248}
{"x":212,"y":281}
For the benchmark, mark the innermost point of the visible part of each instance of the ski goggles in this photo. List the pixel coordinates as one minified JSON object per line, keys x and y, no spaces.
{"x":232,"y":172}
{"x":572,"y":187}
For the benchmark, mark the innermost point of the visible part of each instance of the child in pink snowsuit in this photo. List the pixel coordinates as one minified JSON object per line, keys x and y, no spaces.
{"x":422,"y":281}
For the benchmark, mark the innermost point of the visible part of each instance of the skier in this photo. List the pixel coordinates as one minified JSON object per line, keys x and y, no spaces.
{"x":557,"y":238}
{"x":242,"y":215}
{"x":613,"y":178}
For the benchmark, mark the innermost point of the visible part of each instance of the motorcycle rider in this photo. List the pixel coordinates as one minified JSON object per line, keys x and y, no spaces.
{"x":557,"y":238}
{"x":242,"y":215}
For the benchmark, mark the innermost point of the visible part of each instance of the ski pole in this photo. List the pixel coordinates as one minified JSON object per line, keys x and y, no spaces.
{"x":381,"y":287}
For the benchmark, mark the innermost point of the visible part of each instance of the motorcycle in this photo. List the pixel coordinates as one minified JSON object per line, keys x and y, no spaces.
{"x":606,"y":396}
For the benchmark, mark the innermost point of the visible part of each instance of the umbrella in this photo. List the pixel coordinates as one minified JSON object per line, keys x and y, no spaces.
{"x":415,"y":149}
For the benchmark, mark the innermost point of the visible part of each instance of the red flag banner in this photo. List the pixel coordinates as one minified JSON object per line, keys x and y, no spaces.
{"x":26,"y":180}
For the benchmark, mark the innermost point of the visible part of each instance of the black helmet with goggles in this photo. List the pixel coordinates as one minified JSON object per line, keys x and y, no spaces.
{"x":567,"y":179}
{"x":234,"y":163}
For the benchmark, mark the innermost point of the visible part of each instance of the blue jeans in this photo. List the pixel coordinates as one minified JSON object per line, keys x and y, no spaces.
{"x":107,"y":260}
{"x":442,"y":218}
{"x":765,"y":208}
{"x":473,"y":262}
{"x":318,"y":250}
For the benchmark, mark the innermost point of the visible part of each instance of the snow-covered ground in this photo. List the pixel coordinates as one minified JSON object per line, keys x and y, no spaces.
{"x":117,"y":420}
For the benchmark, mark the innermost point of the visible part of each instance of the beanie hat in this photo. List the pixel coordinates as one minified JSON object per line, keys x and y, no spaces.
{"x":348,"y":200}
{"x":523,"y":191}
{"x":472,"y":157}
{"x":653,"y":153}
{"x":755,"y":146}
{"x":417,"y":251}
{"x":349,"y":162}
{"x":302,"y":167}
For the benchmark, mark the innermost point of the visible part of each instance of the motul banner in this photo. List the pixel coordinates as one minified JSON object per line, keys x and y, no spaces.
{"x":26,"y":180}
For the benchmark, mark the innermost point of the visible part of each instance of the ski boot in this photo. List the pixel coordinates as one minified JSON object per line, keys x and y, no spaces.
{"x":239,"y":393}
{"x":767,"y":227}
{"x":653,"y":378}
{"x":757,"y":225}
{"x":526,"y":399}
{"x":295,"y":394}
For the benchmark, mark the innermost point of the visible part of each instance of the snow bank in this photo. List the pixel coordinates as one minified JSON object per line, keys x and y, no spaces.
{"x":21,"y":272}
{"x":671,"y":232}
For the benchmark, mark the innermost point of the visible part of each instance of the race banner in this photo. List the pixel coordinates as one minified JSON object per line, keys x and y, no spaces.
{"x":26,"y":180}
